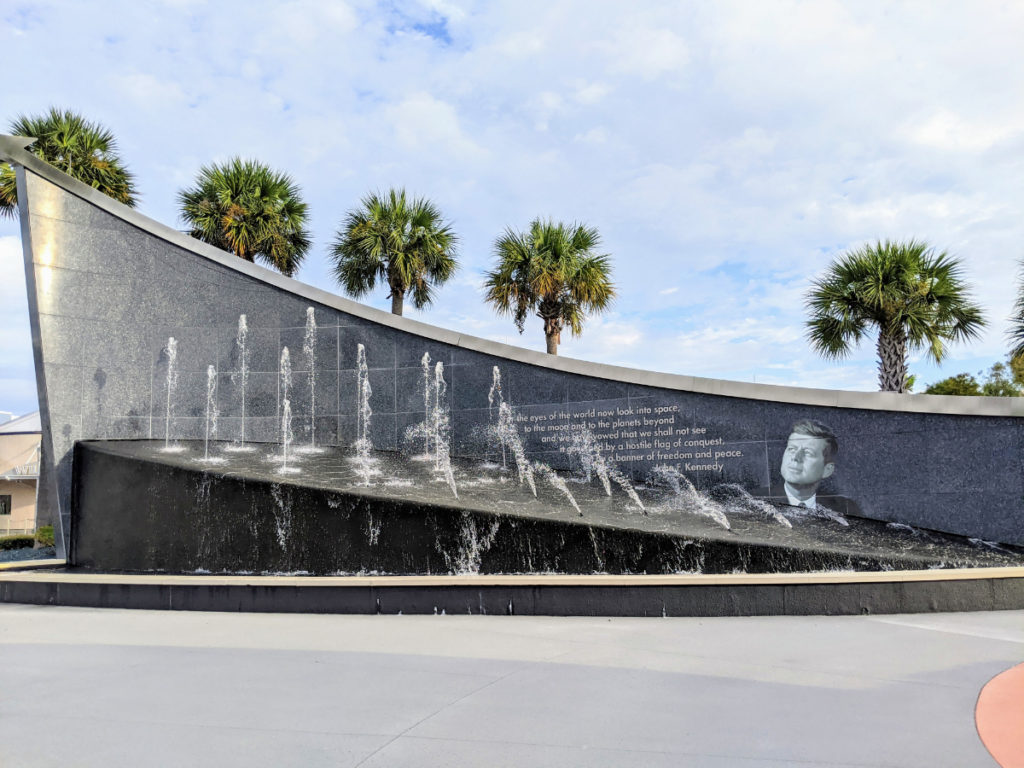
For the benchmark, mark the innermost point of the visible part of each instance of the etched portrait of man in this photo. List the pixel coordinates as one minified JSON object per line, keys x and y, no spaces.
{"x":809,"y":459}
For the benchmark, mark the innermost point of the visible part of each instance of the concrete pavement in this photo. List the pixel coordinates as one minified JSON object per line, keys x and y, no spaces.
{"x":111,"y":688}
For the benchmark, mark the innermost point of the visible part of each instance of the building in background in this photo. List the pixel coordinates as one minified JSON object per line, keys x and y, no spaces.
{"x":19,"y":474}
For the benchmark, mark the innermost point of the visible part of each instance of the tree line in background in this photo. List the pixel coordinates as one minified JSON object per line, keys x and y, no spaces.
{"x":905,"y":295}
{"x":1001,"y":380}
{"x":258,"y":214}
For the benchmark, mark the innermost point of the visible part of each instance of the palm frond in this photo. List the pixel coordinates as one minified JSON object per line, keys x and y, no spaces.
{"x":252,"y":210}
{"x":905,"y":290}
{"x":403,"y":242}
{"x":1016,"y":332}
{"x":82,"y":149}
{"x":550,"y":270}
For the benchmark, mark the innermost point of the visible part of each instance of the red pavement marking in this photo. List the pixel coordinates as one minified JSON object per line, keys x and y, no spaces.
{"x":999,"y":716}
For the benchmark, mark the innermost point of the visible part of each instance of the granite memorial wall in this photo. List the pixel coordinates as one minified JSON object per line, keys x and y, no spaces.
{"x":108,"y":288}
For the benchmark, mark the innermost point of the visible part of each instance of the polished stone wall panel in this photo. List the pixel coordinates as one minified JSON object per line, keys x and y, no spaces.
{"x":107,"y":293}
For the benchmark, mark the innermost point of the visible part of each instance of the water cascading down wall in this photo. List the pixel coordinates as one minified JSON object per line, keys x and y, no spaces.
{"x":107,"y":287}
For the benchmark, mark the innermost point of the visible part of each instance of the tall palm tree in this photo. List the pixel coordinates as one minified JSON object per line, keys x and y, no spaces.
{"x":402,"y":242}
{"x":84,"y":150}
{"x":912,"y":296}
{"x":245,"y":207}
{"x":1017,"y":324}
{"x":554,"y":271}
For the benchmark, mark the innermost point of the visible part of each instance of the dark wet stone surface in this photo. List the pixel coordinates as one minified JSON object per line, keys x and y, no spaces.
{"x":27,"y":554}
{"x":493,"y":524}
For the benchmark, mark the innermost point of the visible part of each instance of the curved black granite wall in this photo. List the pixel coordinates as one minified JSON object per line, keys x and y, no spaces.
{"x":107,"y":287}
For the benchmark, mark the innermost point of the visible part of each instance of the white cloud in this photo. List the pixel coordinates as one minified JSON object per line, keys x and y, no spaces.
{"x":952,"y":132}
{"x":423,"y":123}
{"x":596,"y":135}
{"x":591,"y":93}
{"x":302,"y":22}
{"x":450,"y":11}
{"x":727,"y":151}
{"x":648,"y":52}
{"x":150,"y":93}
{"x":614,"y":334}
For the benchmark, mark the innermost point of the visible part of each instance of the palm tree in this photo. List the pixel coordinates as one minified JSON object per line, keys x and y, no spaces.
{"x":395,"y":240}
{"x":1017,"y":324}
{"x":245,"y":207}
{"x":84,"y":150}
{"x":913,"y":297}
{"x":551,"y":270}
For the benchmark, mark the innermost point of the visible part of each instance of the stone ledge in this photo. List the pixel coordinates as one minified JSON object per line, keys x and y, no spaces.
{"x":807,"y":594}
{"x":32,"y":565}
{"x":518,"y":580}
{"x":534,"y":596}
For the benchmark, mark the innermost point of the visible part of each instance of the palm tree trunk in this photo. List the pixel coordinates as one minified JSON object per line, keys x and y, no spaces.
{"x":552,"y":333}
{"x":552,"y":339}
{"x":398,"y":289}
{"x":549,"y":312}
{"x":892,"y":361}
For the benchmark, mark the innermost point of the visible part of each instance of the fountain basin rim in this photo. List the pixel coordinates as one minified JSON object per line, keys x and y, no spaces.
{"x":733,"y":595}
{"x":29,"y":572}
{"x":14,"y":150}
{"x":34,"y":565}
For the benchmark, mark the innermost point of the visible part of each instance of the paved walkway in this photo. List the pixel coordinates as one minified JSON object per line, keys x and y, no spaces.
{"x":110,"y":688}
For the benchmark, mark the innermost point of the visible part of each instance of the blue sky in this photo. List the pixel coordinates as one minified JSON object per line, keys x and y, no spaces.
{"x":726,"y":151}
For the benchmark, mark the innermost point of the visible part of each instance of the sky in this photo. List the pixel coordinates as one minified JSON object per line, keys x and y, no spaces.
{"x":727,"y":152}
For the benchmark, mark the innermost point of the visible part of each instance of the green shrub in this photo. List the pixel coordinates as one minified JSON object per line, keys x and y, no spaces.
{"x":961,"y":384}
{"x":16,"y":542}
{"x":44,"y":536}
{"x":1002,"y":380}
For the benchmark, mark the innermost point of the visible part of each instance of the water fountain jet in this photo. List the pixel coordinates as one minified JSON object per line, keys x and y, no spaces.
{"x":171,"y":354}
{"x":211,"y":414}
{"x":309,"y":350}
{"x":557,"y":482}
{"x":684,"y":490}
{"x":240,"y":377}
{"x":285,"y":385}
{"x":364,"y":444}
{"x":585,"y":447}
{"x":741,"y":498}
{"x":442,"y":451}
{"x":425,"y":365}
{"x":494,"y":395}
{"x":509,"y":435}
